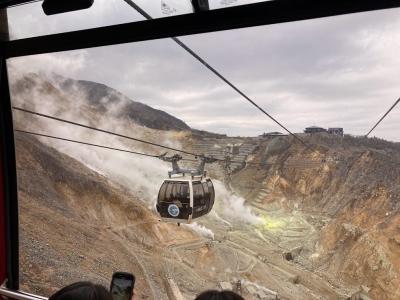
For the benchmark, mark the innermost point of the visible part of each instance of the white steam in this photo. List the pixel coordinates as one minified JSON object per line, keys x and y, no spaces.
{"x":139,"y":174}
{"x":232,"y":207}
{"x":214,"y":213}
{"x":200,"y":229}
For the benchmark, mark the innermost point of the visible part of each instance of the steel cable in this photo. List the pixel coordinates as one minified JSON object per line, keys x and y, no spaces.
{"x":293,"y":164}
{"x":383,"y":117}
{"x":218,"y":74}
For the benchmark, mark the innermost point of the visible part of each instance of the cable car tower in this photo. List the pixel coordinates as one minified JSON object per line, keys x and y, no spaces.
{"x":186,"y":194}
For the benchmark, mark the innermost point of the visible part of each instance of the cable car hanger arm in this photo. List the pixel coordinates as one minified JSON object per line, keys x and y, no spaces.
{"x":178,"y":170}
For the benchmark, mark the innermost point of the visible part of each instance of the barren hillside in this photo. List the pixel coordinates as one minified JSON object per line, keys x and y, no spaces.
{"x":358,"y":193}
{"x":312,"y":223}
{"x":77,"y":225}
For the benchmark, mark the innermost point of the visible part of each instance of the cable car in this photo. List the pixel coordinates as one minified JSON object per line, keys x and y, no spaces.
{"x":186,"y":194}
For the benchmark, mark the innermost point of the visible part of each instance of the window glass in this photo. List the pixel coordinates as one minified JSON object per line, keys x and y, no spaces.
{"x":175,"y":190}
{"x":29,"y":20}
{"x":184,"y":193}
{"x":86,"y":212}
{"x":198,"y":193}
{"x":169,"y":192}
{"x":211,"y":190}
{"x":206,"y":191}
{"x":207,"y":195}
{"x":199,"y":200}
{"x":161,"y":195}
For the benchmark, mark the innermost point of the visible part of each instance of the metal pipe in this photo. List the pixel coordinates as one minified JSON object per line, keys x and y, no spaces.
{"x":17,"y":295}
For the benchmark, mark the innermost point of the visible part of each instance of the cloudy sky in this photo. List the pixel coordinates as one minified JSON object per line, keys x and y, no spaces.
{"x":332,"y":72}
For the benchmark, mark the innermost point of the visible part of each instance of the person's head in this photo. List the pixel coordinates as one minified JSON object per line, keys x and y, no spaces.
{"x":219,"y":295}
{"x":82,"y":291}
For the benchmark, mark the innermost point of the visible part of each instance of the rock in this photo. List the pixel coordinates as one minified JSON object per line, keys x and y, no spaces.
{"x":352,"y":230}
{"x":295,"y":279}
{"x":395,"y":240}
{"x":364,"y":289}
{"x":288,"y":256}
{"x":293,"y":253}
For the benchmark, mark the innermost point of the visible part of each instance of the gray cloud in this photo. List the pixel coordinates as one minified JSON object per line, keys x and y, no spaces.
{"x":341,"y":71}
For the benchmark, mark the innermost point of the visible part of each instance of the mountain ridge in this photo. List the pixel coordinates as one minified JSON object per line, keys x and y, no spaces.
{"x":101,"y":95}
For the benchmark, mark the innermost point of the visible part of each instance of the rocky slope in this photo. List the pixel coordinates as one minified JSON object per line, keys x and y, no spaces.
{"x":356,"y":187}
{"x":68,"y":94}
{"x":77,"y":225}
{"x":102,"y":97}
{"x":337,"y":204}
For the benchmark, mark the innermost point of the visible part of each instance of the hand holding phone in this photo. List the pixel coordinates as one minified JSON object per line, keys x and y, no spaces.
{"x":122,"y":285}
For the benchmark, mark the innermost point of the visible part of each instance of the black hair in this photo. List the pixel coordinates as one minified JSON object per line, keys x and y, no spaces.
{"x":219,"y":295}
{"x":83,"y":290}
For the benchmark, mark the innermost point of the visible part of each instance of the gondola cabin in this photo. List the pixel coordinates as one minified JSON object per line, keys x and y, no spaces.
{"x":180,"y":200}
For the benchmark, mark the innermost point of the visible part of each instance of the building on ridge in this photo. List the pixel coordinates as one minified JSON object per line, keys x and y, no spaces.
{"x":336,"y":131}
{"x":314,"y":129}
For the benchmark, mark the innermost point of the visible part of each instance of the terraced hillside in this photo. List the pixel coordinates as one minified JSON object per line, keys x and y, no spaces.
{"x":220,"y":148}
{"x":77,"y":225}
{"x":349,"y":187}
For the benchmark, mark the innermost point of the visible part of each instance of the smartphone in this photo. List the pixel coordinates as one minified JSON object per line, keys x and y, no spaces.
{"x":122,"y":285}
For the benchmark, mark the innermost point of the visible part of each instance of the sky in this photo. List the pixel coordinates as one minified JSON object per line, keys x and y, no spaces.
{"x":332,"y":72}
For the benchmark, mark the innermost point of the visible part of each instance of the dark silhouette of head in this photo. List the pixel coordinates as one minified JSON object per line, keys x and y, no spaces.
{"x":82,"y":291}
{"x":219,"y":295}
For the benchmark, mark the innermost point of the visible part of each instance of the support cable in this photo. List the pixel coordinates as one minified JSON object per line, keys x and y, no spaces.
{"x":83,"y":143}
{"x":383,"y":117}
{"x":107,"y":132}
{"x":103,"y":131}
{"x":294,"y":164}
{"x":202,"y":61}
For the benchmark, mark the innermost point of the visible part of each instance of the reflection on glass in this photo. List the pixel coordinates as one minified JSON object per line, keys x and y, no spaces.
{"x":289,"y":221}
{"x":29,"y":20}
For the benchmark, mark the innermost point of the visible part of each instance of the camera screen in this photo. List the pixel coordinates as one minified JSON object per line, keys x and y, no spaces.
{"x":121,"y":289}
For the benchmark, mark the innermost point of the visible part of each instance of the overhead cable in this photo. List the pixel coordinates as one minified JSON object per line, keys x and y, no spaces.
{"x":202,"y":61}
{"x":137,"y":139}
{"x":110,"y":132}
{"x":84,"y":143}
{"x":294,"y":164}
{"x":103,"y":131}
{"x":298,"y":164}
{"x":93,"y":145}
{"x":383,"y":117}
